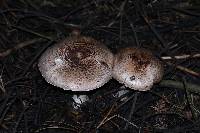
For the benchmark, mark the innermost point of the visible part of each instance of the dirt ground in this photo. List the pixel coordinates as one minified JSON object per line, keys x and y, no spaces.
{"x":168,"y":28}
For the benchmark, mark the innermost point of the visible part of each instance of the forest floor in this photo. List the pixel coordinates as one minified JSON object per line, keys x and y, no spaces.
{"x":168,"y":28}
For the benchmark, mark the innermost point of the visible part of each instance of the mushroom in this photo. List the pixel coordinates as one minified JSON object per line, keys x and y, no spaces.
{"x":77,"y":63}
{"x":137,"y":68}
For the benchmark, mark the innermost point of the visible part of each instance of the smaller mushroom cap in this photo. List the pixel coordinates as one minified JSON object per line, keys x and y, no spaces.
{"x":137,"y":68}
{"x":77,"y":63}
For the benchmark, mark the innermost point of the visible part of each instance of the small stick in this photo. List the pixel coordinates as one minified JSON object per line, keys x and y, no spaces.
{"x":180,"y":85}
{"x":2,"y":86}
{"x":185,"y":56}
{"x":118,"y":116}
{"x":55,"y":127}
{"x":188,"y":70}
{"x":184,"y":69}
{"x":130,"y":123}
{"x":104,"y":119}
{"x":162,"y":42}
{"x":132,"y":109}
{"x":19,"y":46}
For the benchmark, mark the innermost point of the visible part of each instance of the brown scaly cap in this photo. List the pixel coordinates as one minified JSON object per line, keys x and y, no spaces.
{"x":77,"y":63}
{"x":137,"y":68}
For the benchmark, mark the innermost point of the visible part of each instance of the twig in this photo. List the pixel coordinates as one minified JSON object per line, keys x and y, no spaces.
{"x":5,"y":107}
{"x":12,"y":81}
{"x":55,"y":127}
{"x":43,"y":17}
{"x":82,"y":7}
{"x":132,"y":109}
{"x":118,"y":116}
{"x":133,"y":29}
{"x":118,"y":15}
{"x":120,"y":29}
{"x":19,"y":46}
{"x":194,"y":88}
{"x":29,"y":31}
{"x":185,"y":56}
{"x":18,"y":120}
{"x":189,"y":100}
{"x":128,"y":121}
{"x":186,"y":12}
{"x":188,"y":70}
{"x":184,"y":69}
{"x":154,"y":31}
{"x":2,"y":86}
{"x":104,"y":119}
{"x":25,"y":123}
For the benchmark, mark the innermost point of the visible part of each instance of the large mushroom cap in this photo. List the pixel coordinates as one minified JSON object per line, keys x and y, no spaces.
{"x":137,"y":68}
{"x":78,"y":63}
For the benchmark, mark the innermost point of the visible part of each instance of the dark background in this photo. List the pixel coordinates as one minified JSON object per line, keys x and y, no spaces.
{"x":29,"y":104}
